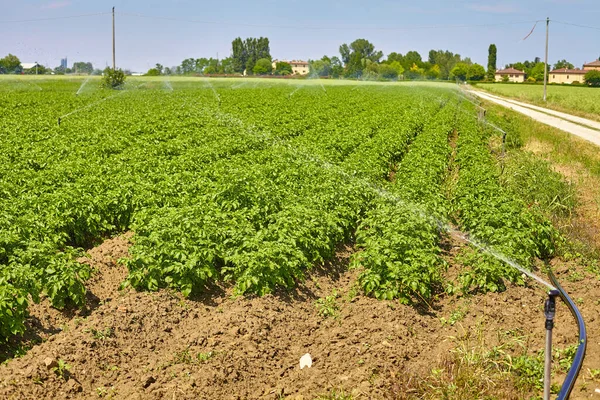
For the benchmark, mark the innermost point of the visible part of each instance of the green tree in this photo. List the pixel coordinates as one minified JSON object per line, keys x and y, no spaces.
{"x":283,"y":68}
{"x":337,"y":69}
{"x":262,"y":67}
{"x":397,"y":66}
{"x":412,"y":58}
{"x":476,"y":72}
{"x":414,"y":72}
{"x":188,"y":66}
{"x":394,"y":57}
{"x":10,"y":64}
{"x":112,"y":78}
{"x":354,"y":67}
{"x":592,"y":78}
{"x":83,"y":67}
{"x":238,"y":55}
{"x":537,"y":72}
{"x":446,"y":60}
{"x":492,"y":58}
{"x":434,"y":72}
{"x":460,"y":71}
{"x":387,"y":71}
{"x":246,"y":53}
{"x":152,"y":72}
{"x":560,"y":64}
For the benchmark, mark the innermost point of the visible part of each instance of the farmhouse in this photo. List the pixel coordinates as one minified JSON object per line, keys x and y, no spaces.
{"x":594,"y":65}
{"x":29,"y":66}
{"x":298,"y":67}
{"x":514,"y":75}
{"x":565,"y":75}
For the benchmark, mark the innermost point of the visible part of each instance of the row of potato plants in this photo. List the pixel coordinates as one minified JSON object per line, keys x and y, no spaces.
{"x":494,"y":216}
{"x":399,"y":238}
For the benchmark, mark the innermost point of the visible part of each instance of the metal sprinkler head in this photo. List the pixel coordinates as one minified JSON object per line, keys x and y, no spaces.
{"x":58,"y":121}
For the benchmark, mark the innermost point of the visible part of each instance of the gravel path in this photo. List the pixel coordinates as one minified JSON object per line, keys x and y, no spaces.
{"x":565,"y":122}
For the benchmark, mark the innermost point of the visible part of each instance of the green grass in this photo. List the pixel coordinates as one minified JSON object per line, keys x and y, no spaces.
{"x":578,"y":100}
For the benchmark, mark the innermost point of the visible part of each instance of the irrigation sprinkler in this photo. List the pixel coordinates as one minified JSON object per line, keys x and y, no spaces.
{"x":549,"y":312}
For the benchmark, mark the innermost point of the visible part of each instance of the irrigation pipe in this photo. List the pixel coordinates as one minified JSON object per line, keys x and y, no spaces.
{"x":573,"y":373}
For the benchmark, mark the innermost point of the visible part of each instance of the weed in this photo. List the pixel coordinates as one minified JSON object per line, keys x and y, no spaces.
{"x":454,"y":317}
{"x":203,"y":357}
{"x":62,"y":369}
{"x":101,"y":334}
{"x":328,"y":307}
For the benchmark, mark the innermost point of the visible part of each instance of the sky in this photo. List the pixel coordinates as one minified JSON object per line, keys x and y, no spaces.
{"x":169,"y":31}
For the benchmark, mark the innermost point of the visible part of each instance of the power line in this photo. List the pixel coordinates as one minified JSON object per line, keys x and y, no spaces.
{"x":196,"y":21}
{"x":577,"y":25}
{"x":54,"y":18}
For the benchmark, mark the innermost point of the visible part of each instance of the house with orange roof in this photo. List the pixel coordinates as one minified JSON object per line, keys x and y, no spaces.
{"x":514,"y":75}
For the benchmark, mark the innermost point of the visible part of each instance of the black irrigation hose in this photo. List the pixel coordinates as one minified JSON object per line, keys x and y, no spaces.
{"x":573,"y":373}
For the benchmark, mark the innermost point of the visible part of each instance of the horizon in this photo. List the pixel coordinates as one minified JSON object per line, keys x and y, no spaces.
{"x":169,"y":32}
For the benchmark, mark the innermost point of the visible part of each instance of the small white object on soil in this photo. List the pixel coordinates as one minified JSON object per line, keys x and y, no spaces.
{"x":305,"y":361}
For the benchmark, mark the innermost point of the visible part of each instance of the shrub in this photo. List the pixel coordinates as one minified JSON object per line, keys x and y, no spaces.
{"x":592,"y":78}
{"x":262,"y":67}
{"x":112,"y":78}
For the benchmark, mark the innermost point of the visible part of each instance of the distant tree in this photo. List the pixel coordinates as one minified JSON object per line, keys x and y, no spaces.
{"x":563,"y":64}
{"x":446,"y":60}
{"x":112,"y":78}
{"x":83,"y":67}
{"x":199,"y":65}
{"x":284,"y":68}
{"x":537,"y":71}
{"x":246,"y":53}
{"x":239,"y":55}
{"x":188,"y":66}
{"x":97,"y":72}
{"x":226,"y":66}
{"x":492,"y":58}
{"x":397,"y":66}
{"x":394,"y":57}
{"x":262,"y":67}
{"x":387,"y":71}
{"x":414,"y":72}
{"x":460,"y":71}
{"x":10,"y":64}
{"x":592,"y":78}
{"x":354,"y":67}
{"x":152,"y":72}
{"x":476,"y":72}
{"x":159,"y":68}
{"x":412,"y":58}
{"x":337,"y":69}
{"x":434,"y":72}
{"x":363,"y":47}
{"x":168,"y":71}
{"x":320,"y":67}
{"x":345,"y":53}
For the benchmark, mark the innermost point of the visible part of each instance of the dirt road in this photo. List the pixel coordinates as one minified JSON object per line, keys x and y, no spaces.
{"x":582,"y":127}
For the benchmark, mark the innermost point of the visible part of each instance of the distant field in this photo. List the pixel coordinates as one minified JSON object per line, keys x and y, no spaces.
{"x":578,"y":100}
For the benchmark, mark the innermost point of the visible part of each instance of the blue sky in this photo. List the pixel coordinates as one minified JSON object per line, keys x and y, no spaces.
{"x":297,"y":29}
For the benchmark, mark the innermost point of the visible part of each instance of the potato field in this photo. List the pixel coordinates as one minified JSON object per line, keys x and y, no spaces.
{"x":251,"y":184}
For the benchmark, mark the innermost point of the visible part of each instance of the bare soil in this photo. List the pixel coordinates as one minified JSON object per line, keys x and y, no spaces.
{"x":139,"y":345}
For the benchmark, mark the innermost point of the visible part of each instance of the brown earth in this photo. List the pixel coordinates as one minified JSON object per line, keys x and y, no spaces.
{"x":142,"y":345}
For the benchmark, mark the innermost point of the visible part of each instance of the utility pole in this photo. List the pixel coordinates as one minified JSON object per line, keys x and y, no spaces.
{"x":546,"y":59}
{"x":113,"y":20}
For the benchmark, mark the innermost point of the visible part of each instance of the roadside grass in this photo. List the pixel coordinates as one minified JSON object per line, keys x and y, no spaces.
{"x":577,"y":100}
